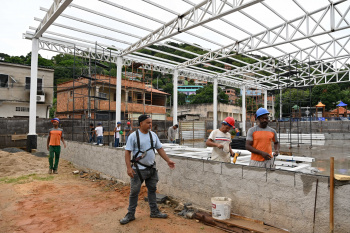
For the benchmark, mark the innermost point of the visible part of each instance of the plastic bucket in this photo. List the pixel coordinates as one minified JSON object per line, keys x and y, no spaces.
{"x":221,"y":207}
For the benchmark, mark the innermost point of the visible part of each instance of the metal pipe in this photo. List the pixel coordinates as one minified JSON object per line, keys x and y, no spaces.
{"x":331,"y":201}
{"x":215,"y":104}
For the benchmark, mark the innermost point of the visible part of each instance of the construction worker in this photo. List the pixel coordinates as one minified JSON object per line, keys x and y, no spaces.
{"x":116,"y":134}
{"x":99,"y":133}
{"x":127,"y":130}
{"x":54,"y":145}
{"x":237,"y":132}
{"x":259,"y":139}
{"x":143,"y":143}
{"x":172,"y":133}
{"x":220,"y":139}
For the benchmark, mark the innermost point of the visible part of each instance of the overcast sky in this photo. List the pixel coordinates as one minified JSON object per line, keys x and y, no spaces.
{"x":17,"y":15}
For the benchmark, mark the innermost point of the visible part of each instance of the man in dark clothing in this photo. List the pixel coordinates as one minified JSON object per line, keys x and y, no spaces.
{"x":92,"y":133}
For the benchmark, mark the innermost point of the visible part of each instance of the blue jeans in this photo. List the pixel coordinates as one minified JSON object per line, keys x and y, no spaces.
{"x":99,"y":140}
{"x":126,"y":139}
{"x":92,"y":138}
{"x":116,"y":142}
{"x":151,"y":180}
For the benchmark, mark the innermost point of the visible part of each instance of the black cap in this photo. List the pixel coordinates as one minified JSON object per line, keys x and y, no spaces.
{"x":142,"y":118}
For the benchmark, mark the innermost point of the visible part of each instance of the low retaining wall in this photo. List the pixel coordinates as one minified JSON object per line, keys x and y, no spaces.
{"x":279,"y":198}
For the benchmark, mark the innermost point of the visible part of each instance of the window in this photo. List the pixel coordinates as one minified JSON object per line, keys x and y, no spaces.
{"x":102,"y":95}
{"x":22,"y":109}
{"x":39,"y":84}
{"x":4,"y":79}
{"x":71,"y":93}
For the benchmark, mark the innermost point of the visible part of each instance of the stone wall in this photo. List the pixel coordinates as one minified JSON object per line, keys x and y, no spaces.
{"x":279,"y":198}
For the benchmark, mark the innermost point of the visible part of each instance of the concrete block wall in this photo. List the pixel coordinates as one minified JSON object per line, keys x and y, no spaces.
{"x":279,"y":198}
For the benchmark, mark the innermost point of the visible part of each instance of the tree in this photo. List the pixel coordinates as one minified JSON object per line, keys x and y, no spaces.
{"x":328,"y":94}
{"x":291,"y":97}
{"x":205,"y":95}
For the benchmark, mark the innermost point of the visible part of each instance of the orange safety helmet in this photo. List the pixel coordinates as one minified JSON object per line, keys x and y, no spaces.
{"x":229,"y":121}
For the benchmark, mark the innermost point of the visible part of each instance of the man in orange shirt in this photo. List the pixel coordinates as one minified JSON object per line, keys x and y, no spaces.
{"x":259,"y":139}
{"x":54,"y":145}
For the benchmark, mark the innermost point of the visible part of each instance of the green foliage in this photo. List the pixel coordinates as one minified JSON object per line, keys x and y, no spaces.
{"x":291,"y":97}
{"x":328,"y":94}
{"x":53,"y":108}
{"x":205,"y":95}
{"x":251,"y":104}
{"x":26,"y":179}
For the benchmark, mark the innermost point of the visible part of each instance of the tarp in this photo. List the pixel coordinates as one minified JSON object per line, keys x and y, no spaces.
{"x":295,"y":107}
{"x":341,"y":104}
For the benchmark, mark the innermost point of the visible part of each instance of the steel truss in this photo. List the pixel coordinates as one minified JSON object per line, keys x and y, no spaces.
{"x":326,"y":60}
{"x":81,"y":50}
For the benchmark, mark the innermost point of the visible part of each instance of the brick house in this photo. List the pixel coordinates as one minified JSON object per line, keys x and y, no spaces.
{"x":136,"y":98}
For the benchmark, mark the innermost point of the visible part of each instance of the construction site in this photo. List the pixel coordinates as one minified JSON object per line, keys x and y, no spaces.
{"x":128,"y":58}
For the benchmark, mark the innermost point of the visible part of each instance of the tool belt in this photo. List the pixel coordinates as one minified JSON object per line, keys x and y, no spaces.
{"x":136,"y":159}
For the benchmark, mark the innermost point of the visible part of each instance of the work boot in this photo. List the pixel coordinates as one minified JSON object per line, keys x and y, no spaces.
{"x":128,"y":218}
{"x":55,"y":172}
{"x":158,"y":214}
{"x":50,"y":171}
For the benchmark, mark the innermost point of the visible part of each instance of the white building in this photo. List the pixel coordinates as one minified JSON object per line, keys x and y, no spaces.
{"x":15,"y":90}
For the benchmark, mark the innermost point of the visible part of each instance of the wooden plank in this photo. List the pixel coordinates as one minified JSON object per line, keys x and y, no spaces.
{"x":106,"y":133}
{"x":238,"y":224}
{"x":341,"y":177}
{"x":15,"y":137}
{"x":285,"y":153}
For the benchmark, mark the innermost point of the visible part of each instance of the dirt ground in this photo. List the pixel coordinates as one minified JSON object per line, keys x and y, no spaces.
{"x":33,"y":201}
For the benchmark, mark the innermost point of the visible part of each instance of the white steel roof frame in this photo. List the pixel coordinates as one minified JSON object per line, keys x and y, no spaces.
{"x":199,"y":15}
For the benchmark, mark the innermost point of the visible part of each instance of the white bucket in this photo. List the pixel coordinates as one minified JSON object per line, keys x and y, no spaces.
{"x":221,"y":207}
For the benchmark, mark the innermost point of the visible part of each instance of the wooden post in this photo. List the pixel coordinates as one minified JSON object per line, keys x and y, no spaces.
{"x":331,"y":201}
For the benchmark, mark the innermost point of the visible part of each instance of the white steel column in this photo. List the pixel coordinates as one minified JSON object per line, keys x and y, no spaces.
{"x":281,"y":103}
{"x":273,"y":107}
{"x":265,"y":99}
{"x":33,"y":86}
{"x":119,"y":90}
{"x":243,"y":111}
{"x":175,"y":76}
{"x":215,"y":104}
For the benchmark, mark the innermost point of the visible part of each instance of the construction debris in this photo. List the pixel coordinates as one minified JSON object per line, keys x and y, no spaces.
{"x":235,"y":224}
{"x":187,"y":211}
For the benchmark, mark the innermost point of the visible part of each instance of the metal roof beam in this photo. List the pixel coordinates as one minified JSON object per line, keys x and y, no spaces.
{"x":57,"y":7}
{"x":253,"y":43}
{"x":181,"y":23}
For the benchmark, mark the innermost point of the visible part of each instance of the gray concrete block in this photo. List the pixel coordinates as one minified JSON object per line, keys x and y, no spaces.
{"x":180,"y":162}
{"x":212,"y":167}
{"x":264,"y":204}
{"x":281,"y":178}
{"x":195,"y":164}
{"x":229,"y":169}
{"x":254,"y":173}
{"x":301,"y":225}
{"x":305,"y":182}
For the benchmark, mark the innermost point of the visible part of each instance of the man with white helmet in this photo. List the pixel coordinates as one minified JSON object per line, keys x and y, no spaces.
{"x":220,"y":139}
{"x":259,"y":139}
